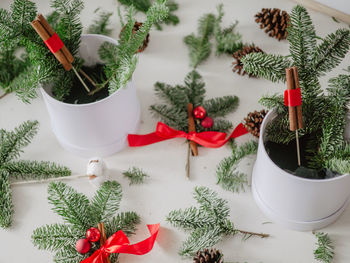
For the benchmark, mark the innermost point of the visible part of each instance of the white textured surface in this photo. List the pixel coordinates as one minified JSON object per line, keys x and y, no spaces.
{"x":166,"y":59}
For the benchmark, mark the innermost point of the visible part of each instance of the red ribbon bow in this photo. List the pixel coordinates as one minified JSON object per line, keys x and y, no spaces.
{"x":292,"y":97}
{"x":210,"y":139}
{"x":119,"y":243}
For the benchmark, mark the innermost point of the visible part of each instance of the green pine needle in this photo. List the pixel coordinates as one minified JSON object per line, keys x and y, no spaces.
{"x":135,"y":175}
{"x":100,"y":25}
{"x":227,"y":175}
{"x":11,"y":146}
{"x":325,"y":249}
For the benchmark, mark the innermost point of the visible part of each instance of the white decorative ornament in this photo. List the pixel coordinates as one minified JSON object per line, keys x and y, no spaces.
{"x":97,"y":171}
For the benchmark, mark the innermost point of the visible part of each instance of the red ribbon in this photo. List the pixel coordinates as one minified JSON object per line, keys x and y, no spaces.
{"x":119,"y":243}
{"x":292,"y":97}
{"x":210,"y":139}
{"x":54,"y":43}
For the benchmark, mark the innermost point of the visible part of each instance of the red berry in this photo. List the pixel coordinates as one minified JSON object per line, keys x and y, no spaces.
{"x":82,"y":246}
{"x":93,"y":234}
{"x":207,"y":122}
{"x":199,"y":112}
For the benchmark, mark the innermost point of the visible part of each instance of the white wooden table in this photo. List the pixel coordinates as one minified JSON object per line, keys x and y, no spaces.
{"x":166,"y":59}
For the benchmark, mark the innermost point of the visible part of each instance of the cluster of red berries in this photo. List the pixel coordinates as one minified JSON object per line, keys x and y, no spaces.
{"x":83,"y":245}
{"x":200,"y":113}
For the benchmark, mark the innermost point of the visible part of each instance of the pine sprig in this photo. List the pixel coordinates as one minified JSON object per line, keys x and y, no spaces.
{"x":80,"y":214}
{"x":325,"y":249}
{"x":72,"y":206}
{"x":135,"y":175}
{"x":323,"y":112}
{"x":101,"y":24}
{"x":11,"y":146}
{"x":228,"y":177}
{"x":208,"y":224}
{"x":174,"y":112}
{"x":200,"y":46}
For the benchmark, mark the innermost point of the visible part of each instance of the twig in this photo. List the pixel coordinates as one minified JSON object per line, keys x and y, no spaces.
{"x":248,"y":233}
{"x":81,"y":80}
{"x":4,"y":95}
{"x":188,"y":166}
{"x":88,"y":78}
{"x":72,"y":177}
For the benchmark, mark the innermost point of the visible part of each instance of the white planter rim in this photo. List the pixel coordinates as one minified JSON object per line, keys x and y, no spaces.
{"x":50,"y":97}
{"x":282,"y":171}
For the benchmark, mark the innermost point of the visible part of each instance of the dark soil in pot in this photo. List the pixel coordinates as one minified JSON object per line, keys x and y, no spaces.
{"x":79,"y":95}
{"x":285,"y":157}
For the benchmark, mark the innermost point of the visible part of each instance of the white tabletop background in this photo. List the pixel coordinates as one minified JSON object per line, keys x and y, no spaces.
{"x":166,"y":59}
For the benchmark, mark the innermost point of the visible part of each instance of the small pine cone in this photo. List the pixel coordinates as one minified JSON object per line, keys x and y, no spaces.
{"x":238,"y":55}
{"x":253,"y":122}
{"x":208,"y":256}
{"x":274,"y":21}
{"x":137,"y":26}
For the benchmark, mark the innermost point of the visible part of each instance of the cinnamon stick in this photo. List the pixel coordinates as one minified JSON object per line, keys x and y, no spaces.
{"x":103,"y":238}
{"x":50,"y":30}
{"x":293,"y":122}
{"x":44,"y":35}
{"x":298,"y":108}
{"x":191,"y":128}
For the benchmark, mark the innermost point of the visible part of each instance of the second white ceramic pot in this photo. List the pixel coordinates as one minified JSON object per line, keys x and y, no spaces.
{"x":294,"y":202}
{"x":99,"y":128}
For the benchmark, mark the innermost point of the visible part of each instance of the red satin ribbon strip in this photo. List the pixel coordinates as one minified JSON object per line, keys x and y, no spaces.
{"x":292,"y":97}
{"x":210,"y":139}
{"x":119,"y":243}
{"x":54,"y":43}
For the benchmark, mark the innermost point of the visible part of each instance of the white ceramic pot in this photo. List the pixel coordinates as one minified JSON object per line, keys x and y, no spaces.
{"x":295,"y":202}
{"x":99,"y":128}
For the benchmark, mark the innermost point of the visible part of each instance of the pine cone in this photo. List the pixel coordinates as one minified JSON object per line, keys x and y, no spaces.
{"x":253,"y":122}
{"x":237,"y":64}
{"x":274,"y":21}
{"x":137,"y":26}
{"x":208,"y":256}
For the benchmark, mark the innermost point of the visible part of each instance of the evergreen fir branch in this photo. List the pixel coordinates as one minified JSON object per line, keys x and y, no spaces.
{"x":302,"y":39}
{"x":200,"y":46}
{"x":220,"y":125}
{"x":125,"y":221}
{"x":219,"y":107}
{"x":13,"y":141}
{"x":210,"y":202}
{"x":325,"y":249}
{"x":171,"y":116}
{"x":101,"y":24}
{"x":135,"y":175}
{"x":108,"y":54}
{"x":228,"y":41}
{"x":22,"y":14}
{"x":270,"y":67}
{"x":6,"y":205}
{"x":69,"y":254}
{"x":56,"y":236}
{"x":29,"y":170}
{"x":342,"y":166}
{"x":72,"y":206}
{"x":199,"y":239}
{"x":190,"y":218}
{"x":106,"y":201}
{"x":228,"y":176}
{"x":53,"y":18}
{"x":331,"y":52}
{"x":174,"y":95}
{"x":194,"y":88}
{"x":274,"y":101}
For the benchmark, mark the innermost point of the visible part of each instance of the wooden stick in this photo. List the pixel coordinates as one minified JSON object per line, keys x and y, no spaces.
{"x":103,"y":239}
{"x":299,"y":108}
{"x":191,"y":128}
{"x":293,"y":124}
{"x":188,"y":164}
{"x":93,"y":83}
{"x":45,"y":36}
{"x":50,"y":179}
{"x":50,"y":30}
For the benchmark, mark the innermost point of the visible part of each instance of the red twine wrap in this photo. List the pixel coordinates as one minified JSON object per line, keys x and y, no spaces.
{"x":54,"y":43}
{"x":210,"y":139}
{"x":292,"y":97}
{"x":119,"y":243}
